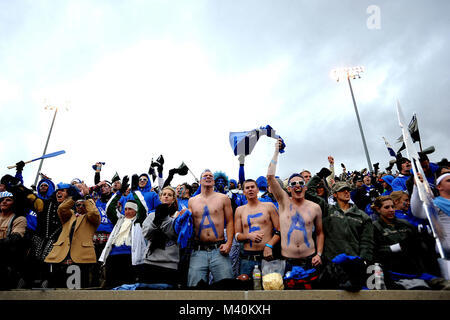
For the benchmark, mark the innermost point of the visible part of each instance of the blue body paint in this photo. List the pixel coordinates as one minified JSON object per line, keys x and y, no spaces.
{"x":207,"y":226}
{"x":298,"y":224}
{"x":250,"y":228}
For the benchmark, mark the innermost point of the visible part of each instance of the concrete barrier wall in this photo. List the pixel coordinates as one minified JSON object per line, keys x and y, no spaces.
{"x":186,"y":295}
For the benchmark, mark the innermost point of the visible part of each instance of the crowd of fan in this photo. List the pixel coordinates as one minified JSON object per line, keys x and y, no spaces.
{"x":131,"y":232}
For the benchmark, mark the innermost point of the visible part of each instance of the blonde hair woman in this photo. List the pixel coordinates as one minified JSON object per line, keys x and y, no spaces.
{"x":403,"y":209}
{"x":162,"y":255}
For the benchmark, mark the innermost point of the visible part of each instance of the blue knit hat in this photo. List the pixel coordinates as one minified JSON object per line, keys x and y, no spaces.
{"x":6,"y":194}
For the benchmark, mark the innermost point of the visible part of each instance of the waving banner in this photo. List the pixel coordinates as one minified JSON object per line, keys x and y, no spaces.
{"x":244,"y":142}
{"x":389,"y":147}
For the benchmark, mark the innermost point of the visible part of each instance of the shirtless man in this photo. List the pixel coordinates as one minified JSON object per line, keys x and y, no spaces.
{"x":210,"y":212}
{"x":254,"y":224}
{"x":298,"y":219}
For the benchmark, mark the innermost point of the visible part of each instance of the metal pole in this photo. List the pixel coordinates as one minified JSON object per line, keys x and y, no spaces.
{"x":45,"y":149}
{"x":360,"y":126}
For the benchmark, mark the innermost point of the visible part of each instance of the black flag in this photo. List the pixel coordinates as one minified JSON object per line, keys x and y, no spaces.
{"x":413,"y":129}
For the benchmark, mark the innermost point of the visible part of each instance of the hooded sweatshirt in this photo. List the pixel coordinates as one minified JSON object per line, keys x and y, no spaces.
{"x":151,"y":198}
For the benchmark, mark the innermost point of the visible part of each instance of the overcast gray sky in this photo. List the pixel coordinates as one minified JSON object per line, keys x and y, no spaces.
{"x":144,"y":78}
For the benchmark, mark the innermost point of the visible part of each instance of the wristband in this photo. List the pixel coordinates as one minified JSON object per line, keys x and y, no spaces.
{"x":268,"y":245}
{"x":236,"y":236}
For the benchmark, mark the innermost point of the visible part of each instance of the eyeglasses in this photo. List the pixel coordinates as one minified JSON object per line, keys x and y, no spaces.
{"x":80,"y":204}
{"x":295,"y":183}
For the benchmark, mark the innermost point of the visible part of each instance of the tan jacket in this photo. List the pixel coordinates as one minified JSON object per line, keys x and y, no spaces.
{"x":82,"y":246}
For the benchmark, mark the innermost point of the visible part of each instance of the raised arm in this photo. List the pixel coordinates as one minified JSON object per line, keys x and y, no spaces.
{"x":274,"y":217}
{"x":280,"y":195}
{"x":332,"y":175}
{"x":241,"y":169}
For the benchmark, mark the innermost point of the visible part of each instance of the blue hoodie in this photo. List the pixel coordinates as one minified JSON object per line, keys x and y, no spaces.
{"x":388,"y":179}
{"x":51,"y":189}
{"x":32,"y":216}
{"x":151,"y":198}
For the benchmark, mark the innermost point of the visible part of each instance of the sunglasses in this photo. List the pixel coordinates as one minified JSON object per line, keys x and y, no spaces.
{"x":299,"y":183}
{"x":79,"y":204}
{"x":143,"y":179}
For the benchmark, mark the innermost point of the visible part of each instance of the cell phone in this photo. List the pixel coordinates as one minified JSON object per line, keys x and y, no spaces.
{"x":342,"y":165}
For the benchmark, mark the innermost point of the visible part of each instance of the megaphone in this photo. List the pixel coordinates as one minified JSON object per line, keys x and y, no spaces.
{"x":391,"y":164}
{"x":428,"y":150}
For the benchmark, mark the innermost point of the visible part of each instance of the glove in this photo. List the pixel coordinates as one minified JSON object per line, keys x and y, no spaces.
{"x":161,"y":212}
{"x":74,"y":193}
{"x":158,"y":240}
{"x":19,"y":166}
{"x":134,"y":182}
{"x":125,"y":185}
{"x":152,"y":173}
{"x":324,"y":172}
{"x":373,"y":193}
{"x":409,"y":244}
{"x":376,"y":166}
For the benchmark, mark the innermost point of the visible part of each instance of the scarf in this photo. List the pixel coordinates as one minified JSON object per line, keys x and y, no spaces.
{"x":443,"y":204}
{"x":123,"y":236}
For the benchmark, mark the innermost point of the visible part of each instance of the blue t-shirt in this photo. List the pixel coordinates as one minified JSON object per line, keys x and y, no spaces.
{"x":123,"y":249}
{"x":105,"y":224}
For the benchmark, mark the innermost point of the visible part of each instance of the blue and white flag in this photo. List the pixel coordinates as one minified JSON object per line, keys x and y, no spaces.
{"x":389,"y":147}
{"x":244,"y":142}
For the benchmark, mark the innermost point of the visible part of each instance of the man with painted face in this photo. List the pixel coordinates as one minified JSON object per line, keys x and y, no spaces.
{"x":212,"y":214}
{"x":298,"y":219}
{"x":221,"y":182}
{"x":184,"y":192}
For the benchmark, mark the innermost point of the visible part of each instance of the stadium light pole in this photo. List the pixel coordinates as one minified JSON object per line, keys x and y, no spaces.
{"x":353,"y":72}
{"x":47,"y":107}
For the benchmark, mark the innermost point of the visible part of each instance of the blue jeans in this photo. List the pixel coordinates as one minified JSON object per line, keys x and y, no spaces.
{"x":247,"y":265}
{"x":203,"y":261}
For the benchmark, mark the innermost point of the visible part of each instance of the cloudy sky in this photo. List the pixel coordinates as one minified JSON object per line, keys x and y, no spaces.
{"x":136,"y":79}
